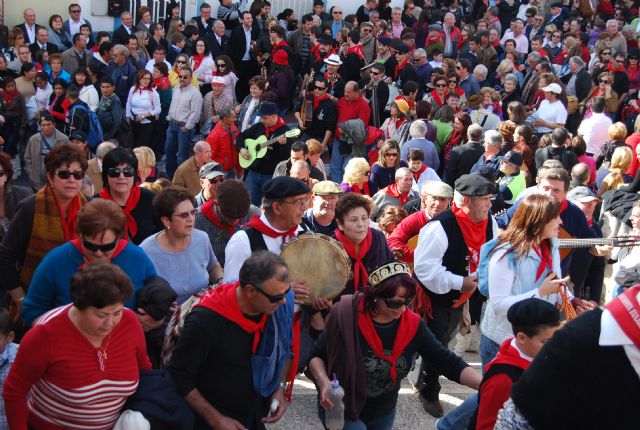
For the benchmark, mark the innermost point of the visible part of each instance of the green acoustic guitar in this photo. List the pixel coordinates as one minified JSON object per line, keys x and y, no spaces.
{"x":258,"y":147}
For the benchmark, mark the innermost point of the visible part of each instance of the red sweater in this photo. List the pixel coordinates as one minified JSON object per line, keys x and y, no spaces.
{"x":633,"y":141}
{"x":408,"y":227}
{"x":358,"y":108}
{"x":223,"y":147}
{"x":56,"y":381}
{"x":497,"y":389}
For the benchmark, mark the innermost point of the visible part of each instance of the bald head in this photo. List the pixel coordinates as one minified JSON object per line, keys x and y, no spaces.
{"x":300,"y":170}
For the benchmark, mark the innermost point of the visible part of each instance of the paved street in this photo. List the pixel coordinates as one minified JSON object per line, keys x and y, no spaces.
{"x":302,"y":413}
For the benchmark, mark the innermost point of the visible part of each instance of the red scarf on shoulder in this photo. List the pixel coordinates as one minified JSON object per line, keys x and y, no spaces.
{"x":357,"y":49}
{"x":223,"y":301}
{"x":317,"y":100}
{"x":365,"y":189}
{"x":360,"y":275}
{"x":625,"y":309}
{"x":474,"y":234}
{"x":209,"y":211}
{"x":259,"y":225}
{"x":69,"y":220}
{"x":392,"y":190}
{"x":121,"y":245}
{"x":409,"y":323}
{"x":162,"y":84}
{"x":278,"y":124}
{"x":132,"y":202}
{"x":546,"y":262}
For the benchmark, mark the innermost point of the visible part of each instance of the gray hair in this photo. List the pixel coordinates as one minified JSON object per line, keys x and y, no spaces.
{"x":421,"y":52}
{"x":217,"y":22}
{"x":261,"y":267}
{"x":225,"y":112}
{"x":103,"y":148}
{"x":402,"y":172}
{"x":611,"y":22}
{"x":535,"y":56}
{"x":511,"y":77}
{"x":493,"y":137}
{"x":200,"y":146}
{"x":577,"y":61}
{"x":121,"y":49}
{"x":481,"y":70}
{"x":474,"y":132}
{"x":418,"y":129}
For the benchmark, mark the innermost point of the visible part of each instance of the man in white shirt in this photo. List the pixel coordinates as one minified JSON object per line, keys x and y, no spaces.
{"x":552,"y":113}
{"x":517,"y":34}
{"x":595,"y":129}
{"x":159,"y":56}
{"x":29,"y":26}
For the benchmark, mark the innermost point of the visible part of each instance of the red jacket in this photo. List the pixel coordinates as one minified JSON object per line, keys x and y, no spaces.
{"x":358,"y":108}
{"x":497,"y":389}
{"x":223,"y":147}
{"x":408,"y":227}
{"x":633,"y":141}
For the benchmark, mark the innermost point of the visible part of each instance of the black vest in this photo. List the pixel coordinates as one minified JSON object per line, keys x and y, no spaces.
{"x":452,"y":259}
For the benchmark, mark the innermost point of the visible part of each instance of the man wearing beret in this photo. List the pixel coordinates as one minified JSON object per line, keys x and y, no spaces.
{"x":321,"y":217}
{"x":446,"y":259}
{"x":404,"y":70}
{"x":261,"y":170}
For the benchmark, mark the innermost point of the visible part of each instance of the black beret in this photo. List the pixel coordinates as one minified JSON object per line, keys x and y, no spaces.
{"x":513,"y":157}
{"x":326,"y":40}
{"x":402,"y":48}
{"x":556,"y":4}
{"x":474,"y":185}
{"x":533,"y":312}
{"x":156,"y":298}
{"x":385,"y":41}
{"x":284,"y":186}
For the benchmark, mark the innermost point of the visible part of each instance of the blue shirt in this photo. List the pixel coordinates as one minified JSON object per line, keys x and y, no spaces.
{"x":431,"y":158}
{"x":470,"y":86}
{"x":335,"y":27}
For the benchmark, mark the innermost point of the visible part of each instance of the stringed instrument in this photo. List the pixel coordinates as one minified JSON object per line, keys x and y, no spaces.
{"x":258,"y":147}
{"x":306,"y":110}
{"x":567,"y":242}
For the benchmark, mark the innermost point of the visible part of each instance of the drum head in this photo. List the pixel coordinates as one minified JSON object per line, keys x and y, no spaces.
{"x":320,"y":262}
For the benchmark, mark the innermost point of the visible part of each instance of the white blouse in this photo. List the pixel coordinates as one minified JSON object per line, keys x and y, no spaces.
{"x":89,"y":95}
{"x":42,"y":96}
{"x":204,"y":70}
{"x":142,"y":102}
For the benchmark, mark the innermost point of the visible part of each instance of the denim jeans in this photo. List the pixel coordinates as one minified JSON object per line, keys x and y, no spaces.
{"x":176,"y":147}
{"x":255,"y":181}
{"x":458,"y":418}
{"x":382,"y":423}
{"x":338,"y":162}
{"x":488,"y":350}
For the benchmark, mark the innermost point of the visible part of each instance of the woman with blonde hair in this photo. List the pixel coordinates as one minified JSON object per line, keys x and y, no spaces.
{"x":491,"y":100}
{"x":383,"y":171}
{"x":356,"y":177}
{"x":146,"y":164}
{"x":143,"y":41}
{"x":614,"y":176}
{"x":617,"y":134}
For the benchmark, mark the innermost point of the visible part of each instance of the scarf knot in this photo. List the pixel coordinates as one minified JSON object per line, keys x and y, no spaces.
{"x":392,"y":190}
{"x":263,"y":228}
{"x":132,"y":203}
{"x":360,"y":274}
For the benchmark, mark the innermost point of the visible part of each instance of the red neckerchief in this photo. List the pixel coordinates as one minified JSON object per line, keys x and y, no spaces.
{"x":197,"y":59}
{"x":140,"y":90}
{"x":356,"y":49}
{"x":631,"y":69}
{"x":122,"y":244}
{"x":620,"y":68}
{"x":278,"y":45}
{"x":409,"y":323}
{"x":259,"y":225}
{"x":317,"y":100}
{"x":432,"y":39}
{"x":69,"y":221}
{"x":208,"y":210}
{"x":365,"y":189}
{"x":411,"y":103}
{"x":223,"y":301}
{"x":269,"y":130}
{"x":8,"y":97}
{"x":416,"y":175}
{"x":132,"y":202}
{"x":392,"y":190}
{"x":495,"y":44}
{"x":314,"y":53}
{"x":546,"y":262}
{"x":360,"y":275}
{"x":564,"y":205}
{"x":162,"y":84}
{"x":295,"y":360}
{"x":474,"y":234}
{"x":625,"y":309}
{"x":459,"y":90}
{"x":437,"y":99}
{"x":400,"y":67}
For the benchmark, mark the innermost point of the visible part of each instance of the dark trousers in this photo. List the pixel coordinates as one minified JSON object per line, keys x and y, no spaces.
{"x":143,"y":134}
{"x":245,"y":70}
{"x":443,"y":325}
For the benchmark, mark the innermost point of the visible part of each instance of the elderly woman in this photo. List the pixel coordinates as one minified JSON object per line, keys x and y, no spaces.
{"x":438,"y":96}
{"x":370,"y":343}
{"x":181,"y":254}
{"x":143,"y":109}
{"x":383,"y":171}
{"x":10,"y":195}
{"x":366,"y":246}
{"x":57,"y":34}
{"x":79,"y":364}
{"x":511,"y":93}
{"x":101,"y":227}
{"x":119,"y":168}
{"x":356,"y":177}
{"x":43,"y":221}
{"x":248,"y":110}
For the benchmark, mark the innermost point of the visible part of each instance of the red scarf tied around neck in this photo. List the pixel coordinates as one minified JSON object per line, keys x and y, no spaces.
{"x":162,"y":84}
{"x":69,"y":219}
{"x":209,"y":211}
{"x":360,"y":274}
{"x":357,"y":49}
{"x":132,"y":202}
{"x":8,"y":96}
{"x":365,"y":189}
{"x":546,"y":262}
{"x":409,"y":323}
{"x":259,"y":225}
{"x":223,"y":301}
{"x":270,"y":130}
{"x":120,"y":246}
{"x":416,"y":175}
{"x":392,"y":190}
{"x":620,"y":68}
{"x":625,"y":309}
{"x":317,"y":100}
{"x":197,"y":59}
{"x":399,"y":68}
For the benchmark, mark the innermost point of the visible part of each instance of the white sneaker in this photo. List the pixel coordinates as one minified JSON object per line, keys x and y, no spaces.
{"x":462,"y":344}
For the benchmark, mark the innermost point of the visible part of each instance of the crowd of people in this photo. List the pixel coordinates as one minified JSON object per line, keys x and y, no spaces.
{"x":475,"y":162}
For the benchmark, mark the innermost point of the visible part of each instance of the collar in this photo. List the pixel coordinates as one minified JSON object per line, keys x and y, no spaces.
{"x":610,"y":332}
{"x":264,"y":219}
{"x":522,"y":354}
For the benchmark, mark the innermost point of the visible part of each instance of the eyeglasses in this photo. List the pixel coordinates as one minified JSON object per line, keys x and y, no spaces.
{"x":185,"y":77}
{"x":220,"y":66}
{"x":539,"y":19}
{"x":375,"y":73}
{"x":94,"y":247}
{"x":298,"y":202}
{"x":606,"y":53}
{"x":337,"y":13}
{"x":181,"y":62}
{"x":391,"y":154}
{"x":187,"y":214}
{"x":397,"y":304}
{"x":272,"y":298}
{"x":320,"y":88}
{"x":441,"y":85}
{"x":114,"y":172}
{"x":78,"y":175}
{"x":75,"y":11}
{"x":217,"y":180}
{"x":556,"y":36}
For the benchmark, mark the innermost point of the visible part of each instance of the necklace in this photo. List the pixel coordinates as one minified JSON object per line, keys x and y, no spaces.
{"x":102,"y":354}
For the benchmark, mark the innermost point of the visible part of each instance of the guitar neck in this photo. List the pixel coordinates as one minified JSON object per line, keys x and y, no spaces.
{"x":583,"y":243}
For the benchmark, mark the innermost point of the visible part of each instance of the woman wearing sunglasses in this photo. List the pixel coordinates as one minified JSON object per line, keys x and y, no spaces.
{"x":182,"y":60}
{"x":223,"y":67}
{"x":119,"y":168}
{"x":101,"y":228}
{"x":180,"y":253}
{"x":370,"y":343}
{"x":43,"y":221}
{"x":356,"y":177}
{"x":383,"y":171}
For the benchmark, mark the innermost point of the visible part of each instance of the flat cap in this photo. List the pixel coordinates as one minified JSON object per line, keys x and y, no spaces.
{"x":474,"y":185}
{"x":281,"y":187}
{"x":513,"y":157}
{"x":210,"y":170}
{"x":327,"y":188}
{"x":267,"y":108}
{"x":533,"y":312}
{"x":435,"y":27}
{"x":581,"y":194}
{"x":233,"y":199}
{"x":438,"y":189}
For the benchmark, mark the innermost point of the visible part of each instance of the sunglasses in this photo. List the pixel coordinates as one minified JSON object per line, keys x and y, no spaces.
{"x":441,"y":85}
{"x":375,"y":73}
{"x":187,"y":214}
{"x":272,"y":298}
{"x":95,"y":247}
{"x":604,"y":81}
{"x":75,"y":11}
{"x":397,"y":304}
{"x":181,"y":62}
{"x":337,"y":13}
{"x":114,"y":172}
{"x":218,"y":180}
{"x":78,"y":175}
{"x":220,"y":66}
{"x":391,"y":154}
{"x":320,"y":88}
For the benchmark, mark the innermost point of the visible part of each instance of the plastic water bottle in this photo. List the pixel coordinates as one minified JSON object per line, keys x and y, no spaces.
{"x":334,"y":417}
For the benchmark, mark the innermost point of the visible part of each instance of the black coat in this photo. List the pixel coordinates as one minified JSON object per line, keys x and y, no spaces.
{"x":238,"y":45}
{"x":462,"y":159}
{"x":121,"y":36}
{"x":201,"y":30}
{"x":50,"y":48}
{"x":23,"y":27}
{"x":216,"y":48}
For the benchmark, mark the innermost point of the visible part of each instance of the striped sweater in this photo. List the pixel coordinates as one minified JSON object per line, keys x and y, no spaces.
{"x":60,"y":381}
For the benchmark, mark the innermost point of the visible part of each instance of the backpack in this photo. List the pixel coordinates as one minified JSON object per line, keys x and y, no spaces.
{"x":95,"y":135}
{"x":483,"y":266}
